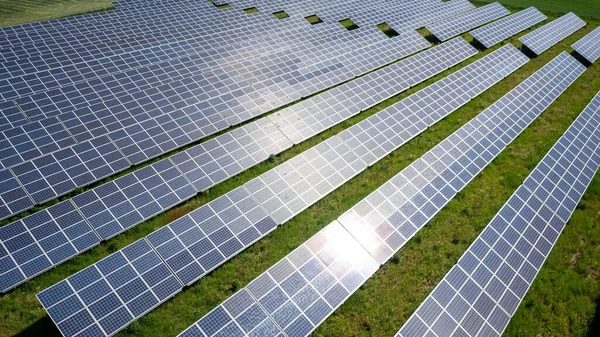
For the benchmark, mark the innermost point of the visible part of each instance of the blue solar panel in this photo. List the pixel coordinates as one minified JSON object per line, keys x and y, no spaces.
{"x":41,"y":241}
{"x":105,"y":297}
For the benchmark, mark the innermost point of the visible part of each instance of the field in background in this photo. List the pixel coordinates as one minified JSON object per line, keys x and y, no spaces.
{"x":583,"y":8}
{"x":15,"y":12}
{"x":561,"y":302}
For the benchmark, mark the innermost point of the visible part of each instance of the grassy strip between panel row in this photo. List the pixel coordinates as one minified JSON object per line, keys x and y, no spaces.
{"x":561,"y":302}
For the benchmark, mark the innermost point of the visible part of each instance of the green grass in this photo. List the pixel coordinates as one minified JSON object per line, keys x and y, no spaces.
{"x":561,"y":302}
{"x":583,"y":8}
{"x":14,"y":12}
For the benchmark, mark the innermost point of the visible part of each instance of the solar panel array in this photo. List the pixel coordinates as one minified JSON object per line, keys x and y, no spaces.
{"x":103,"y":298}
{"x":296,"y":294}
{"x":502,"y":29}
{"x":550,"y":34}
{"x":392,"y":214}
{"x":118,"y":205}
{"x":282,"y":293}
{"x":207,"y":237}
{"x":134,"y":144}
{"x":589,"y":46}
{"x":483,"y":290}
{"x":459,"y":24}
{"x":308,"y":118}
{"x":129,"y":200}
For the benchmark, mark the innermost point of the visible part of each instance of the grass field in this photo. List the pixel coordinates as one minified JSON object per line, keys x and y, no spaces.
{"x":563,"y":300}
{"x":583,"y":8}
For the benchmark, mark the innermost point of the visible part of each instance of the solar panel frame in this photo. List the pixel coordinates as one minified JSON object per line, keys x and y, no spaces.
{"x":589,"y":46}
{"x":550,"y":34}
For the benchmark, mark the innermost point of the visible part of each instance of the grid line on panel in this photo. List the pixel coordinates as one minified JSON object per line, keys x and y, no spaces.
{"x":318,"y":113}
{"x":484,"y":289}
{"x":444,"y":30}
{"x":504,"y":28}
{"x":41,"y":241}
{"x":200,"y":241}
{"x":550,"y":34}
{"x":103,"y":298}
{"x":589,"y":46}
{"x":299,"y":291}
{"x":392,"y":214}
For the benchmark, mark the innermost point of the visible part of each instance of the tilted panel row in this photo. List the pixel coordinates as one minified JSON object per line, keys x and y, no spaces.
{"x":589,"y":46}
{"x":502,"y":29}
{"x":550,"y":34}
{"x":298,"y":292}
{"x":481,"y":293}
{"x":459,"y":24}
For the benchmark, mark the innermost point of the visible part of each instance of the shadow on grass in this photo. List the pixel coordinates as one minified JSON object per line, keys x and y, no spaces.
{"x":42,"y":327}
{"x":594,"y":327}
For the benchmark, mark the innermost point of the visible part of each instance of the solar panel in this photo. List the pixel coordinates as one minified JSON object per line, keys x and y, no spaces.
{"x":125,"y":202}
{"x":13,"y":196}
{"x":288,"y":189}
{"x":589,"y":46}
{"x":378,"y":135}
{"x":392,"y":214}
{"x":502,"y":29}
{"x":481,"y":293}
{"x":316,"y":114}
{"x":550,"y":34}
{"x":103,"y":298}
{"x":220,"y":158}
{"x":37,"y":243}
{"x":293,"y":186}
{"x":240,"y":315}
{"x":200,"y":241}
{"x":297,"y":293}
{"x":459,"y":24}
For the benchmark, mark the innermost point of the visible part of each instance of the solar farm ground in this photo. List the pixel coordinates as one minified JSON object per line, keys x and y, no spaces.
{"x":563,"y":301}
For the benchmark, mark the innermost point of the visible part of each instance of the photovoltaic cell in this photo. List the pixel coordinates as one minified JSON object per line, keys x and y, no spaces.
{"x":461,"y":23}
{"x":392,"y":214}
{"x":41,"y":241}
{"x":502,"y":29}
{"x":110,"y":294}
{"x":481,"y":293}
{"x":198,"y":242}
{"x":297,"y":293}
{"x":550,"y":34}
{"x":589,"y":46}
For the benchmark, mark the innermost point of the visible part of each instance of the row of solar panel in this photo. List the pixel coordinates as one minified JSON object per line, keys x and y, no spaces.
{"x":252,"y":26}
{"x":64,"y":189}
{"x":183,"y":98}
{"x":300,"y":291}
{"x":62,"y":171}
{"x":483,"y":290}
{"x":112,"y":212}
{"x":198,"y":242}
